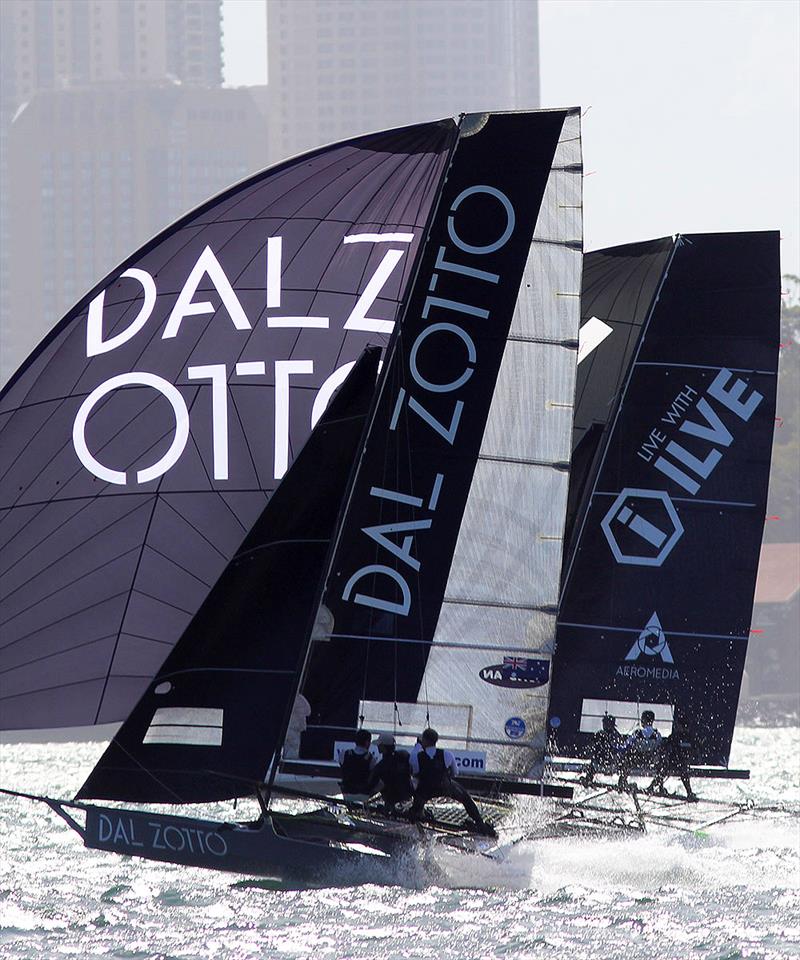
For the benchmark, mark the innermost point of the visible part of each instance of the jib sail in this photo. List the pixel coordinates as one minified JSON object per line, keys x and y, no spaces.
{"x":211,"y":720}
{"x":444,"y":585}
{"x":658,"y":594}
{"x":142,"y":438}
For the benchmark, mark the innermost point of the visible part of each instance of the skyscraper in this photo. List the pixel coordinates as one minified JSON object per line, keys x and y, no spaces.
{"x":100,"y":170}
{"x":113,"y":121}
{"x":53,"y":44}
{"x":343,"y":67}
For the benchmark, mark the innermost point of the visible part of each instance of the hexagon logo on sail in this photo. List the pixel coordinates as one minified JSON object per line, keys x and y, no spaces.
{"x":642,"y":527}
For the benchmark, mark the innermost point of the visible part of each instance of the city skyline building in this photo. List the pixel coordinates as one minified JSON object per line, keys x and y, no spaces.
{"x":54,"y":44}
{"x":98,"y":172}
{"x":67,"y":69}
{"x":340,"y":69}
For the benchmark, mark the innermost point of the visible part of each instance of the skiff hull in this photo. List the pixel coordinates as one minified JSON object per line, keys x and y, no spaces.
{"x":285,"y":848}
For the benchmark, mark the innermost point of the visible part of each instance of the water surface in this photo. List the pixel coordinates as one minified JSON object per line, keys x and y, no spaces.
{"x":734,"y":893}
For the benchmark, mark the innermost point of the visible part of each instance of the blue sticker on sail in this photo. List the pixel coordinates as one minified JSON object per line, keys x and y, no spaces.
{"x":517,"y":672}
{"x":515,"y":728}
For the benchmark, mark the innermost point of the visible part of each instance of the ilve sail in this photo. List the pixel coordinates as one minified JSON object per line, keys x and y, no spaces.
{"x":658,"y":593}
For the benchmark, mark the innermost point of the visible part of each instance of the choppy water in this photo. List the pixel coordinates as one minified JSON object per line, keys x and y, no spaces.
{"x":733,"y":894}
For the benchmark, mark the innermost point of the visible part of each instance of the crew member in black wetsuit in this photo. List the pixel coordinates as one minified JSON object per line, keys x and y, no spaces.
{"x":356,"y":768}
{"x":436,"y":771}
{"x":605,"y":750}
{"x":392,"y":772}
{"x":673,"y":759}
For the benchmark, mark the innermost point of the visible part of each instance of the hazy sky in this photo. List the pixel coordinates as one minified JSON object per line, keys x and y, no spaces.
{"x":692,"y":109}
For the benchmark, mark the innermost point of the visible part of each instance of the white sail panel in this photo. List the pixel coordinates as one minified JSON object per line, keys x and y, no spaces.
{"x":491,"y":628}
{"x":509,"y":549}
{"x":531,"y":416}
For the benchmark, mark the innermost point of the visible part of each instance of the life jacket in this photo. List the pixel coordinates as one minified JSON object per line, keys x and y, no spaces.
{"x":355,"y":772}
{"x":433,"y":775}
{"x":645,"y":744}
{"x":394,"y":772}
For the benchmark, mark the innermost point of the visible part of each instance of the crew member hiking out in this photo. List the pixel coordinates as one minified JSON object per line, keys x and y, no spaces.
{"x":392,"y":773}
{"x":673,"y":759}
{"x":640,"y":748}
{"x":605,"y":750}
{"x":436,"y":771}
{"x":356,"y":766}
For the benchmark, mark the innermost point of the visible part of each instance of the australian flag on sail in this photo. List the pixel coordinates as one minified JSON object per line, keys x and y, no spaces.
{"x":517,"y":672}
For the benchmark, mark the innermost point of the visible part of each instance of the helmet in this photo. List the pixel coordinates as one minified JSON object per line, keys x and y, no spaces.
{"x":386,"y":740}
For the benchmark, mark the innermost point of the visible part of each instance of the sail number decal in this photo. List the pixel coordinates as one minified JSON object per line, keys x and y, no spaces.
{"x":218,"y":376}
{"x":642,"y":526}
{"x":519,"y":672}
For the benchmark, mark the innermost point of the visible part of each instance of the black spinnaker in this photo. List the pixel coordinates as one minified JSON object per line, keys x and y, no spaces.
{"x":211,"y":719}
{"x":142,"y":438}
{"x":658,"y":591}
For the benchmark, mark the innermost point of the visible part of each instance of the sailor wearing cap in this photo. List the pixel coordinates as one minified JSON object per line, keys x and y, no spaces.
{"x":392,"y":773}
